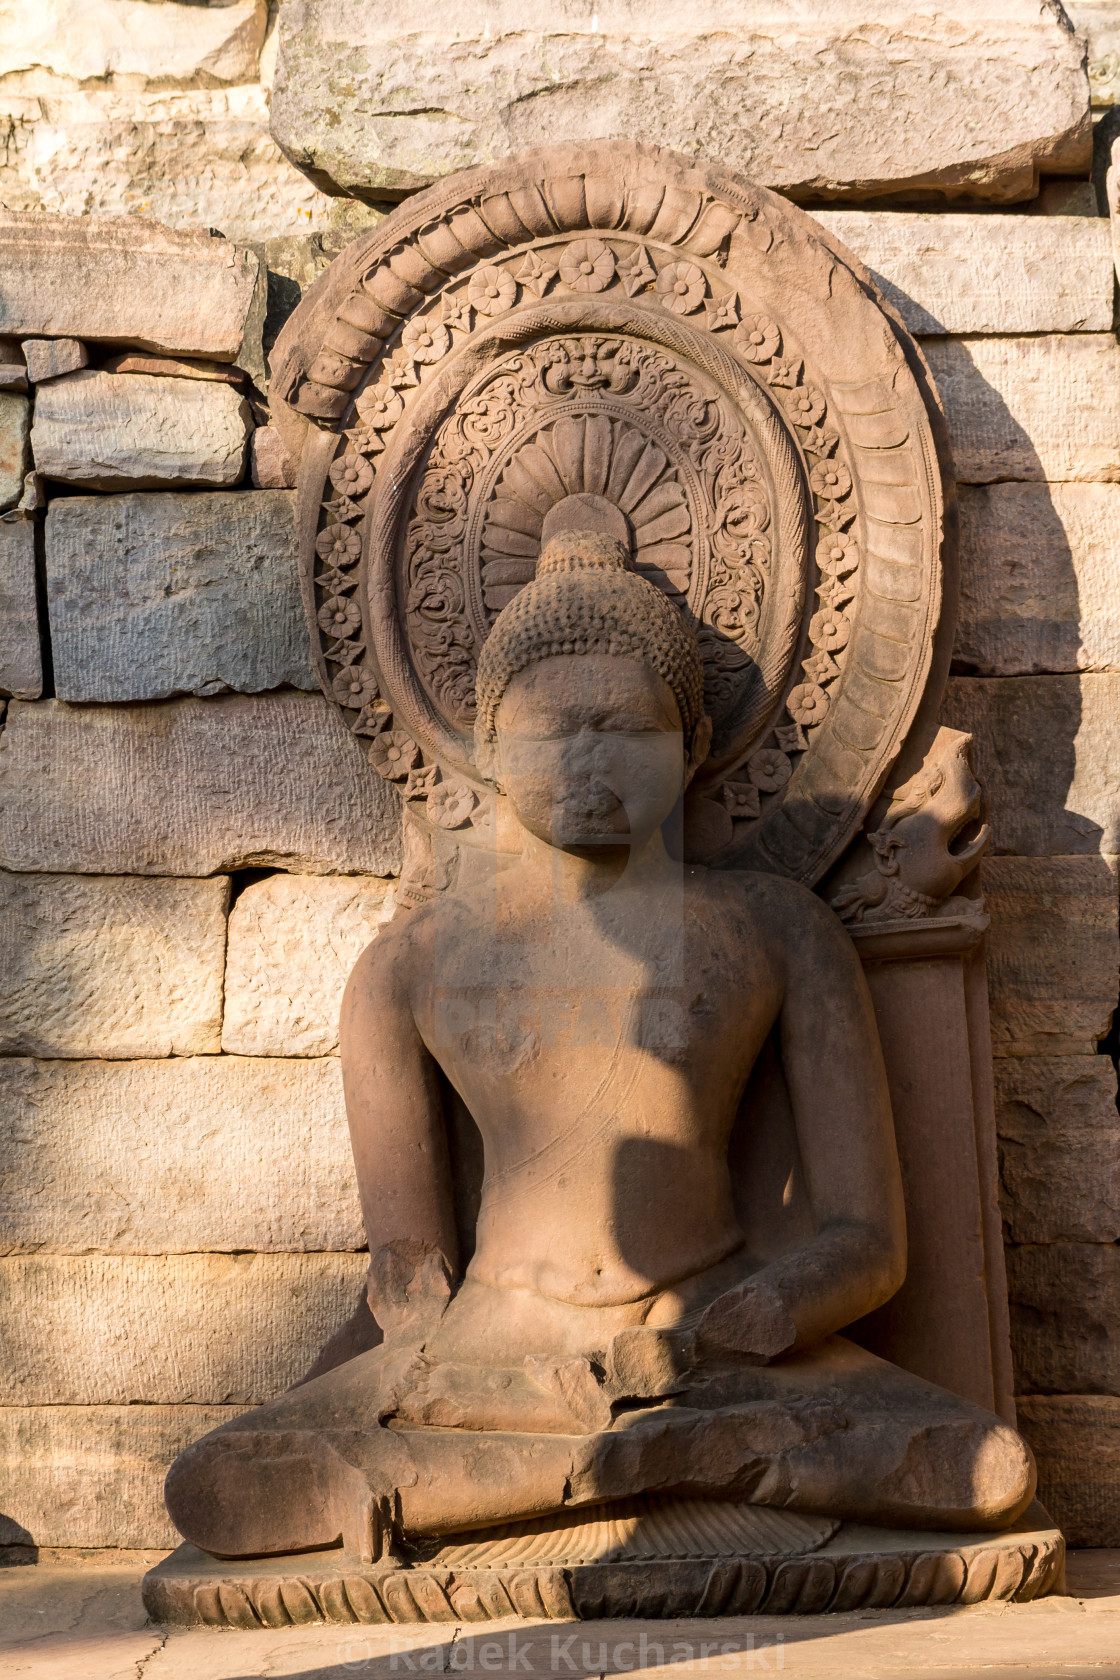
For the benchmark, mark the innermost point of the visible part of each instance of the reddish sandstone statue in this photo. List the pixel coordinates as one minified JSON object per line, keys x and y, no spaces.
{"x":602,"y":1324}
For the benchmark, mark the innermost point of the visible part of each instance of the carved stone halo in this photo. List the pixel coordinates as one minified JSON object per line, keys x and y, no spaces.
{"x":691,"y":455}
{"x":692,"y":356}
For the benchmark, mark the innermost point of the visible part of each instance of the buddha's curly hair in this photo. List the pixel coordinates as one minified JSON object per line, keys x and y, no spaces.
{"x":584,"y":599}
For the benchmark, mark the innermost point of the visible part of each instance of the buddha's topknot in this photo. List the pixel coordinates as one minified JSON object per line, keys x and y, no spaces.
{"x":584,"y":599}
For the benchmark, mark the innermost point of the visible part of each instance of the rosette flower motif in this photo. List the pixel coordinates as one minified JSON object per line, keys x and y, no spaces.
{"x":354,"y":687}
{"x":351,"y":475}
{"x":380,"y":406}
{"x":808,"y":704}
{"x":636,"y":271}
{"x":837,"y":554}
{"x":758,"y":338}
{"x":681,"y":287}
{"x":741,"y":800}
{"x":426,"y":340}
{"x":723,"y":312}
{"x":535,"y":274}
{"x":492,"y":290}
{"x":451,"y":804}
{"x":339,"y":616}
{"x":805,"y":405}
{"x":769,"y":769}
{"x":338,"y":545}
{"x":587,"y":265}
{"x":393,"y":754}
{"x":420,"y":782}
{"x":830,"y":479}
{"x":829,"y":630}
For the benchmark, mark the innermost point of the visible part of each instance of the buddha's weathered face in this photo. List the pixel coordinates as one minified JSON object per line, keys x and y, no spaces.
{"x":590,"y":750}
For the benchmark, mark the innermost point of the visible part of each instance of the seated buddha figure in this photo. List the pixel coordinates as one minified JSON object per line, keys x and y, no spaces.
{"x":598,"y":1006}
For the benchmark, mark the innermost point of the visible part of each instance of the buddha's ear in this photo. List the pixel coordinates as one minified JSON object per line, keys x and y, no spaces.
{"x":699,"y":748}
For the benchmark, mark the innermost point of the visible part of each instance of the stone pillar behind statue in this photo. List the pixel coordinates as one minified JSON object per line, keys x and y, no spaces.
{"x":948,"y":1322}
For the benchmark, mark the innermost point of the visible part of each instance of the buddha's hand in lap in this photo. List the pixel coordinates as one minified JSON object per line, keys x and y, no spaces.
{"x":541,"y":1397}
{"x":578,"y":1396}
{"x":745,"y":1325}
{"x":749,"y":1322}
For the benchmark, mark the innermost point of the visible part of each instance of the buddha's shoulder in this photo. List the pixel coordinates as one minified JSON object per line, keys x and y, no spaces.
{"x":410,"y":935}
{"x":753,"y":899}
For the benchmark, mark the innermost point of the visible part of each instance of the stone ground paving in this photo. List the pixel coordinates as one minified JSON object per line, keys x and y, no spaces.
{"x":75,"y":1618}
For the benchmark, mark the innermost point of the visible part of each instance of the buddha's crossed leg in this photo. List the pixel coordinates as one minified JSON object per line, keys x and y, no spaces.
{"x":833,"y":1430}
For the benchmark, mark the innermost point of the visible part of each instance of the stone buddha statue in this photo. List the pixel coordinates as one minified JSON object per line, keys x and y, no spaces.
{"x":603,"y":1326}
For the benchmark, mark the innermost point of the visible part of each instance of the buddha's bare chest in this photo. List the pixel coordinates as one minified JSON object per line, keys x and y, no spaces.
{"x":567,"y":1032}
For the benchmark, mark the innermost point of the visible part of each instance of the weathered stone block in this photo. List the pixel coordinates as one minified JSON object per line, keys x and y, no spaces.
{"x":188,"y":1154}
{"x":21,"y":661}
{"x":109,"y":965}
{"x":1065,"y":1317}
{"x":985,"y":273}
{"x":196,"y":157}
{"x":181,"y":1329}
{"x":1038,"y":579}
{"x":13,"y":369}
{"x":380,"y":99}
{"x":1075,"y":1439}
{"x":271,"y":466}
{"x":1047,"y":750}
{"x":15,"y":445}
{"x":1031,"y":408}
{"x":293,"y":940}
{"x":1059,"y":1146}
{"x":188,"y":593}
{"x":90,"y":40}
{"x":93,"y":1475}
{"x":115,"y":431}
{"x":49,"y":358}
{"x":172,"y":367}
{"x":124,"y":280}
{"x":192,"y":787}
{"x":1053,"y":953}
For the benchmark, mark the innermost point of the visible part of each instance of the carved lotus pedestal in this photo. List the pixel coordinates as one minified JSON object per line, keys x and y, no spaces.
{"x":655,"y":1557}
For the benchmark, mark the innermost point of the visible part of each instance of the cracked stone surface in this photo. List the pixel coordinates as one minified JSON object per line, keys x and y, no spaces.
{"x":111,"y":965}
{"x":381,"y":97}
{"x":293,"y":940}
{"x":105,"y":1156}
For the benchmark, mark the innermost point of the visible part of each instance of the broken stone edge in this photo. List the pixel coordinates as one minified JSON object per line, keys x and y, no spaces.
{"x":860,"y":1569}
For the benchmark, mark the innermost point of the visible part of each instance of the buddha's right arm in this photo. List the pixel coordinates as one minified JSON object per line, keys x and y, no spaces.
{"x":399,"y":1139}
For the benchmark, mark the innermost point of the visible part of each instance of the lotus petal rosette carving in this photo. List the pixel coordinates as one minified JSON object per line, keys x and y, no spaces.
{"x":593,"y":455}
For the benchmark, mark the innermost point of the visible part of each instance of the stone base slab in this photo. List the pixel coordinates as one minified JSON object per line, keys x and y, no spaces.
{"x":858,"y":1568}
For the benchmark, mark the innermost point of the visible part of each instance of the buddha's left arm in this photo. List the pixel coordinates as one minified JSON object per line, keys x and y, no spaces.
{"x":838,"y":1091}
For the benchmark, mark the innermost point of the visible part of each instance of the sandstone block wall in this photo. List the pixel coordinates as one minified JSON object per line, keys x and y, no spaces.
{"x":1033,"y":425}
{"x":193,"y":852}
